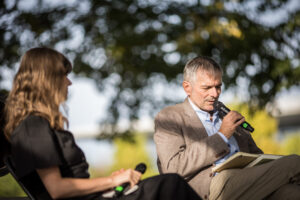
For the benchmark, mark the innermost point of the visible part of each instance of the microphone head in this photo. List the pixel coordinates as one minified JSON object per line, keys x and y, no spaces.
{"x":218,"y":105}
{"x":141,"y":168}
{"x":221,"y":108}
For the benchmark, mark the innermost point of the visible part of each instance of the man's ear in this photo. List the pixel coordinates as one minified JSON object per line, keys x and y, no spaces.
{"x":187,"y":86}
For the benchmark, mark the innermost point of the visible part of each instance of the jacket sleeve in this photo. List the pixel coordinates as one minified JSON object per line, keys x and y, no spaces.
{"x":251,"y":145}
{"x":253,"y":148}
{"x":175,"y":156}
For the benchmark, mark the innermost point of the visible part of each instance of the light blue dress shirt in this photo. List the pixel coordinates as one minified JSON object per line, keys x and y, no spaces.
{"x":212,"y":127}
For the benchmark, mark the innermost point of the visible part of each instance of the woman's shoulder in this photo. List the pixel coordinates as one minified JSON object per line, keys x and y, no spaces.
{"x":35,"y":120}
{"x":34,"y":146}
{"x":31,"y":125}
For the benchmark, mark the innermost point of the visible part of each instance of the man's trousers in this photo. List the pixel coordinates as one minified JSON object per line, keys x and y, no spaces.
{"x":278,"y":179}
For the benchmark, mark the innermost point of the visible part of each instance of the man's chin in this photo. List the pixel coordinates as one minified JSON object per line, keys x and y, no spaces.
{"x":209,"y":108}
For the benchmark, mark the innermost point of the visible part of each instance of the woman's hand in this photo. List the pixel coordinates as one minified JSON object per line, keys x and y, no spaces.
{"x":123,"y":176}
{"x":117,"y":172}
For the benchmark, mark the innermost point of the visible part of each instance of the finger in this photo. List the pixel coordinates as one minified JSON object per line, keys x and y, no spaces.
{"x":135,"y":181}
{"x":232,"y":117}
{"x":137,"y":173}
{"x":240,"y":121}
{"x":135,"y":177}
{"x":132,"y":183}
{"x":235,"y":116}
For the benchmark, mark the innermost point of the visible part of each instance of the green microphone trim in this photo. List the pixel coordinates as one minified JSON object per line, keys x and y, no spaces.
{"x":119,"y":188}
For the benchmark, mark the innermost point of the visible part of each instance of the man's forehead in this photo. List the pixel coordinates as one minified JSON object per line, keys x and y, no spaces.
{"x":209,"y":75}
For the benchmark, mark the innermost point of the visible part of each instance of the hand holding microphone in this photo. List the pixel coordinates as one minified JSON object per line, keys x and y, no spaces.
{"x":126,"y":178}
{"x":231,"y":121}
{"x":119,"y":190}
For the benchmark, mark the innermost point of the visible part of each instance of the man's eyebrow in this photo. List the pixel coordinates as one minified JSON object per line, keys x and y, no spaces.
{"x":219,"y":85}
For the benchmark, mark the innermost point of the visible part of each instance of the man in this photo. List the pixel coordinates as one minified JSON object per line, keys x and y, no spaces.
{"x":191,"y":138}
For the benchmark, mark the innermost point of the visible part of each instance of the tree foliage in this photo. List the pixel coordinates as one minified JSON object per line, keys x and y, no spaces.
{"x":265,"y":128}
{"x":291,"y":144}
{"x":266,"y":135}
{"x":129,"y":153}
{"x":129,"y":46}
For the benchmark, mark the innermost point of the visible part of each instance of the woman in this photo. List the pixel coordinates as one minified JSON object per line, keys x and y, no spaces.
{"x":40,"y":145}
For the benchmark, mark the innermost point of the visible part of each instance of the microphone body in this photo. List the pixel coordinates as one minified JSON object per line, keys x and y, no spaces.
{"x":223,"y":110}
{"x":119,"y":190}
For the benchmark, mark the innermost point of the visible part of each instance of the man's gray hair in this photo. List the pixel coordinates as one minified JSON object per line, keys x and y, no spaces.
{"x":200,"y":63}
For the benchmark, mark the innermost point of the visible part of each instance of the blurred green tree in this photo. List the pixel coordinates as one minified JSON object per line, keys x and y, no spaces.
{"x":291,"y":144}
{"x":265,"y":127}
{"x":131,"y":47}
{"x":129,"y":153}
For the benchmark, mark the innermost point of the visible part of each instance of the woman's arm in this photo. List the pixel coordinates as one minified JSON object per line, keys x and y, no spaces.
{"x":59,"y":187}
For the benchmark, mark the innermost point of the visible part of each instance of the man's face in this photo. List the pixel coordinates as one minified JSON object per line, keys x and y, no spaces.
{"x":205,"y":90}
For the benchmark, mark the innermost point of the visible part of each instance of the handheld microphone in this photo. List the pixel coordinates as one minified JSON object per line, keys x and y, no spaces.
{"x":223,"y":110}
{"x":119,"y":190}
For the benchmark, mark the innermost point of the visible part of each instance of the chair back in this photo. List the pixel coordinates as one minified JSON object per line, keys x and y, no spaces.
{"x":31,"y":184}
{"x":3,"y":171}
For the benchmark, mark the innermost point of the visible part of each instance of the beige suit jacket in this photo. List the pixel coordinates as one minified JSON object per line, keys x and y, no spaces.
{"x":184,"y":147}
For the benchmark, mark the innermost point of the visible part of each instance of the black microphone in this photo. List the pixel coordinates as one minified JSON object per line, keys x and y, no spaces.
{"x":223,"y":110}
{"x":119,"y":190}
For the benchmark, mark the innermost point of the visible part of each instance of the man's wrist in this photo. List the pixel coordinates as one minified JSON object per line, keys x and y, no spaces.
{"x":223,"y":137}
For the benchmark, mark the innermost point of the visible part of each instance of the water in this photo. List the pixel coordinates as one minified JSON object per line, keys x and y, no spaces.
{"x":100,"y":153}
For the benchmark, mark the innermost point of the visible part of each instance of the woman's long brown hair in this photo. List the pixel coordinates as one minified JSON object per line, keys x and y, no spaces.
{"x":37,"y":89}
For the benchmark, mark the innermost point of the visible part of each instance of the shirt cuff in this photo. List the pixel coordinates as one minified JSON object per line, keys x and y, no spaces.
{"x":223,"y":137}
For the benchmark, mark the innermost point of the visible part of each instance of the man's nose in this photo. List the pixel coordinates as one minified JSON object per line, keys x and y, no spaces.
{"x":214,"y":92}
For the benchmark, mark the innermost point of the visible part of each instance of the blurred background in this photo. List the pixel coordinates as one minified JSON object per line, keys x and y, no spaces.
{"x":128,"y":57}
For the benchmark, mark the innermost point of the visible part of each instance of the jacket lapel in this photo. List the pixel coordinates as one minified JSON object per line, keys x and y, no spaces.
{"x":193,"y":121}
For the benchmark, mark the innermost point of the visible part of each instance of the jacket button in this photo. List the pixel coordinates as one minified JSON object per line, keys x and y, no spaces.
{"x":211,"y":174}
{"x":205,"y":196}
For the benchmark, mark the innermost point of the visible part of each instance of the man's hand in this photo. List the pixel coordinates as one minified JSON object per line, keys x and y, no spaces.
{"x":230,"y":121}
